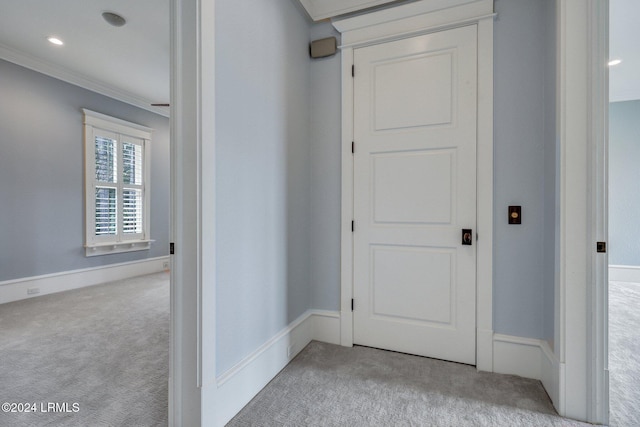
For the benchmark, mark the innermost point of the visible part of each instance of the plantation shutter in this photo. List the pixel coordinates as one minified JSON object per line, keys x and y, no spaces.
{"x":132,"y":186}
{"x":116,"y":185}
{"x":106,"y":183}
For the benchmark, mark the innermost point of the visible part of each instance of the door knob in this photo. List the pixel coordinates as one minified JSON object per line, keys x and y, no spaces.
{"x":467,"y":236}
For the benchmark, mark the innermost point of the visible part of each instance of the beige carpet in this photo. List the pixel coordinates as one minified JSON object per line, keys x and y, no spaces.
{"x":329,"y":385}
{"x":105,"y":348}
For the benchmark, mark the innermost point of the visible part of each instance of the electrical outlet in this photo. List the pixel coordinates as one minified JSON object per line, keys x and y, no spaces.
{"x":33,"y":291}
{"x":165,"y":265}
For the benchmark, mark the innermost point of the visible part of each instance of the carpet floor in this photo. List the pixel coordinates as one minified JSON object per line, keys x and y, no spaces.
{"x":104,"y":348}
{"x":624,"y":354}
{"x":329,"y":385}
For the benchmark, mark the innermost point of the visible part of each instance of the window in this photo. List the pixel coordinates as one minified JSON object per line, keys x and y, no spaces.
{"x":116,"y":185}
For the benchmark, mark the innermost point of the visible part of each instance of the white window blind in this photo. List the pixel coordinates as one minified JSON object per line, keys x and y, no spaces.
{"x":117,"y":187}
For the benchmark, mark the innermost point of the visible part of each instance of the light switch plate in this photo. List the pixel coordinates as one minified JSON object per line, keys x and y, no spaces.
{"x":515,"y":214}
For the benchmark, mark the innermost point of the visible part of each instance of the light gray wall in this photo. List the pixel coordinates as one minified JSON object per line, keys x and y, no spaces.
{"x":263,"y":173}
{"x":326,"y":141}
{"x":551,"y":243}
{"x":624,"y":177}
{"x":519,"y":151}
{"x":41,"y":174}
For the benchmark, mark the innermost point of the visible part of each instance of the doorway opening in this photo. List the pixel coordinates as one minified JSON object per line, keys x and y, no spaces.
{"x":624,"y":205}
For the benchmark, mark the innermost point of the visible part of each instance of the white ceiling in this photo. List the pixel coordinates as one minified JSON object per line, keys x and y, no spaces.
{"x":133,"y":59}
{"x":132,"y":62}
{"x":624,"y":34}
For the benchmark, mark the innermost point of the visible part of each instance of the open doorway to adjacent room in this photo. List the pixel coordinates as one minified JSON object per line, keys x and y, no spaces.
{"x":624,"y":206}
{"x":85,"y":157}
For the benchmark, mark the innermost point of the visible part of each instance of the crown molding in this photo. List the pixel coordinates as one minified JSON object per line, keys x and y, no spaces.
{"x":44,"y":67}
{"x":410,"y":19}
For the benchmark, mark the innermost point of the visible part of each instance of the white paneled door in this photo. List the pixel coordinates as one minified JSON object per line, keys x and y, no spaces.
{"x":414,"y":192}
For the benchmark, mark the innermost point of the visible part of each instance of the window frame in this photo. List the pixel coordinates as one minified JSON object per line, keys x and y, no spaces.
{"x":98,"y":124}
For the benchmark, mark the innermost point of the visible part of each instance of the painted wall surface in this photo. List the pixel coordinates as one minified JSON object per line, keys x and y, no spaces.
{"x":551,"y":243}
{"x":523,"y":156}
{"x":624,"y":176}
{"x":41,"y":174}
{"x":326,"y":141}
{"x":263,"y":173}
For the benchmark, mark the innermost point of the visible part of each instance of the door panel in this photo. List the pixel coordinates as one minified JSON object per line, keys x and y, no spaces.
{"x":403,"y":99}
{"x":414,"y":190}
{"x":415,"y":202}
{"x":409,"y":298}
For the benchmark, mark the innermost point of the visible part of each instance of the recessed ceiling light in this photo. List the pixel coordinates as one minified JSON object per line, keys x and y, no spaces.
{"x":614,"y":62}
{"x":114,"y":19}
{"x":55,"y":40}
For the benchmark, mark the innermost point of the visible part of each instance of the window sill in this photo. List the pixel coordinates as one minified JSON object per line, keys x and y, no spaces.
{"x":117,"y":247}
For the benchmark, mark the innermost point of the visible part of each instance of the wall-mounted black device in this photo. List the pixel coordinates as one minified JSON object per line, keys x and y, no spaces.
{"x":515,"y":214}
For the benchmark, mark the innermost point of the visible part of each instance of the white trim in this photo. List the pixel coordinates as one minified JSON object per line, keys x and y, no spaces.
{"x":115,"y":124}
{"x":597,"y":333}
{"x":326,"y":326}
{"x":238,"y":385}
{"x":435,"y":10}
{"x":572,"y":126}
{"x":96,"y":249}
{"x":77,"y":79}
{"x":322,"y":9}
{"x":16,"y":289}
{"x":529,"y":358}
{"x":206,"y":125}
{"x":550,"y":372}
{"x":419,"y":32}
{"x":484,"y":209}
{"x":410,"y":19}
{"x":517,"y":356}
{"x":580,"y":318}
{"x":300,"y":328}
{"x":624,"y":273}
{"x":189,"y":403}
{"x":360,"y":31}
{"x":346,"y":236}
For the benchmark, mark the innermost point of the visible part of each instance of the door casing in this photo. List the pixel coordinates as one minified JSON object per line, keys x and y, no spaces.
{"x":402,"y":22}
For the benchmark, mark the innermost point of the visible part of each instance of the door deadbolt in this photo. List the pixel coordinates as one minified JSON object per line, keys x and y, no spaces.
{"x":467,"y":238}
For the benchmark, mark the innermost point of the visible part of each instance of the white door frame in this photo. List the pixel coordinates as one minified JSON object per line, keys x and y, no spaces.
{"x":192,"y":382}
{"x":581,"y":312}
{"x":404,"y":21}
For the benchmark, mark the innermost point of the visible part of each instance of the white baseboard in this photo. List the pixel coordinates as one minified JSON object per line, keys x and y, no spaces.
{"x":550,"y":373}
{"x":17,"y":289}
{"x":529,"y":358}
{"x":517,"y":356}
{"x":242,"y":382}
{"x":326,"y":326}
{"x":484,"y":351}
{"x":624,"y":273}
